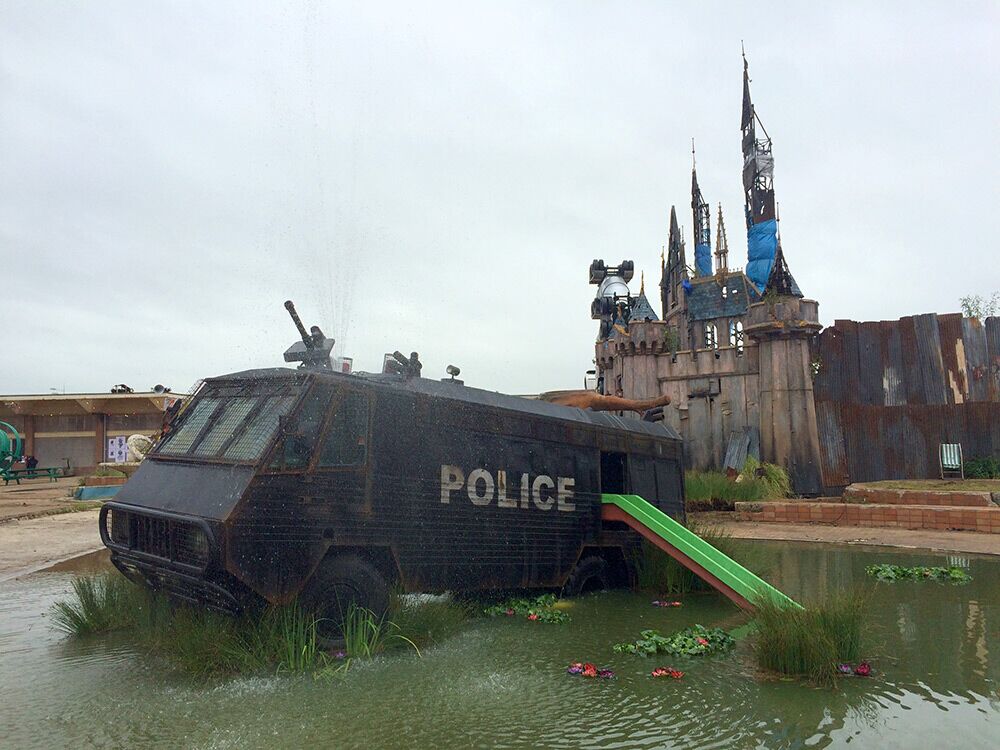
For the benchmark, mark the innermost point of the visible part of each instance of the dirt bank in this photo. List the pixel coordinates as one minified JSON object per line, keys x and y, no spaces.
{"x":30,"y":544}
{"x":37,"y":497}
{"x":944,"y":541}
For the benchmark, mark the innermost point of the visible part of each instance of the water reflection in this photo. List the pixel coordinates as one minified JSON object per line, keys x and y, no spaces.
{"x":502,"y":683}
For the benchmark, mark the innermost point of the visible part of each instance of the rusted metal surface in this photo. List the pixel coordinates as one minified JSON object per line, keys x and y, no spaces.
{"x":889,"y":392}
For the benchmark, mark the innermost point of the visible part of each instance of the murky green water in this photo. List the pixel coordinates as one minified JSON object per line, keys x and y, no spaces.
{"x":502,"y":683}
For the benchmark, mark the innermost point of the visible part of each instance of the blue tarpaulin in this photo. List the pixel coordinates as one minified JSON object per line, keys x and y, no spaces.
{"x":762,"y":242}
{"x":703,"y":260}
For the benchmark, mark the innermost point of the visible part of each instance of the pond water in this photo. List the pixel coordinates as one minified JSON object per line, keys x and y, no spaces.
{"x":502,"y":682}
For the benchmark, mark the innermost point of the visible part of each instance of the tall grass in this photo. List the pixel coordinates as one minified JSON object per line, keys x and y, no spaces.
{"x":713,"y":490}
{"x":431,"y":620}
{"x":659,"y":573}
{"x":271,"y":639}
{"x":811,"y":642}
{"x":100,"y":603}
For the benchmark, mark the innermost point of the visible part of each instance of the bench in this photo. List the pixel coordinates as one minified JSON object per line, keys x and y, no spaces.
{"x":16,"y":475}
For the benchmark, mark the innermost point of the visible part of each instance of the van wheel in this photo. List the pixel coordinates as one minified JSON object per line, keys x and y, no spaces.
{"x":590,"y":574}
{"x":340,"y":583}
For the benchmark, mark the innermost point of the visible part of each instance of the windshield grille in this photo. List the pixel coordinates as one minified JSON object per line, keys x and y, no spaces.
{"x":230,"y":422}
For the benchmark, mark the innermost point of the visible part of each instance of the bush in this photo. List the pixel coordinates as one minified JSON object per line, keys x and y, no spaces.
{"x":810,"y":642}
{"x":982,"y":468}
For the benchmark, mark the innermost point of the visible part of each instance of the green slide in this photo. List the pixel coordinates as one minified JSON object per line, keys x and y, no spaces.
{"x":693,"y":552}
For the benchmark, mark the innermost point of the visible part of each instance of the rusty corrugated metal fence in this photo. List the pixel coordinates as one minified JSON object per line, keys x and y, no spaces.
{"x":889,"y":392}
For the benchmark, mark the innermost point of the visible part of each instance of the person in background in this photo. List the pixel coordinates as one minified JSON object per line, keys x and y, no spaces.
{"x":31,"y":462}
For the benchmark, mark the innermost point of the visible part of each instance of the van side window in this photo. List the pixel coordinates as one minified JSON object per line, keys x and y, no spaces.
{"x":298,"y":445}
{"x":347,"y":439}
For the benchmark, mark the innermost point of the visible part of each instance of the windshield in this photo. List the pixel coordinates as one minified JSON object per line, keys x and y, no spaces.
{"x":232,"y":423}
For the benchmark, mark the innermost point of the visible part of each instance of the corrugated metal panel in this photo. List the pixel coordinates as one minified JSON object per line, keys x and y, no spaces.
{"x":929,"y":358}
{"x":831,"y":445}
{"x":893,"y":386}
{"x":952,"y":357}
{"x":870,"y":363}
{"x":912,"y":375}
{"x":851,"y":385}
{"x":992,"y":327}
{"x":976,"y":359}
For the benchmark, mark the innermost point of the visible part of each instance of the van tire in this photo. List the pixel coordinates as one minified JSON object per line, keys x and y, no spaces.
{"x":592,"y":573}
{"x":339,"y":582}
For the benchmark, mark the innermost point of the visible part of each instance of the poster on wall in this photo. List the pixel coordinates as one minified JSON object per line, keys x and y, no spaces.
{"x":117,"y":449}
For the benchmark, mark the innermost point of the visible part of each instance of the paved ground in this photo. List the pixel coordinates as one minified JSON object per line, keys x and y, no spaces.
{"x":945,"y":541}
{"x":35,"y":497}
{"x":30,"y":544}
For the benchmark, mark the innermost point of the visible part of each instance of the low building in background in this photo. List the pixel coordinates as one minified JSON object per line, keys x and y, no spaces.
{"x":80,"y":430}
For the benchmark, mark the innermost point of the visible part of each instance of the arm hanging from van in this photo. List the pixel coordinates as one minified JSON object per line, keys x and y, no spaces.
{"x":599,"y":402}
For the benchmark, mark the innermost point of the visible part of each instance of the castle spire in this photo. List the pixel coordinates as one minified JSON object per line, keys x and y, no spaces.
{"x":766,"y":266}
{"x":721,"y":245}
{"x":675,"y":271}
{"x":702,"y":226}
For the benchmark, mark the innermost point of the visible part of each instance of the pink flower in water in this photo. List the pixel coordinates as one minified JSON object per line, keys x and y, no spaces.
{"x":845,"y":668}
{"x":864,"y":669}
{"x":589,"y":670}
{"x":532,"y":617}
{"x":667,"y":672}
{"x":340,"y":655}
{"x":575,"y":668}
{"x":675,"y":604}
{"x":509,"y":612}
{"x":702,"y":642}
{"x":606,"y":674}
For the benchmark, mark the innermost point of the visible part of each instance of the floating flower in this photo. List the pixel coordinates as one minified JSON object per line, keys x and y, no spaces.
{"x":606,"y":674}
{"x":658,"y":603}
{"x":589,"y":670}
{"x":509,"y":612}
{"x":667,"y":672}
{"x":533,"y":617}
{"x":575,"y":668}
{"x":864,"y":669}
{"x":702,"y":641}
{"x":340,"y":655}
{"x":845,"y":668}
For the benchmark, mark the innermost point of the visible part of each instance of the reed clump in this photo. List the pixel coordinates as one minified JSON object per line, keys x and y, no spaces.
{"x":811,"y":642}
{"x":271,"y":639}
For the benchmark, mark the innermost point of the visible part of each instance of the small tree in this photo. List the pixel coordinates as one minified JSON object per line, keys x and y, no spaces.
{"x":976,"y":306}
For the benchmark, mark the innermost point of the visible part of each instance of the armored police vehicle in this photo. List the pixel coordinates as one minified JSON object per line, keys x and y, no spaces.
{"x":278,"y":483}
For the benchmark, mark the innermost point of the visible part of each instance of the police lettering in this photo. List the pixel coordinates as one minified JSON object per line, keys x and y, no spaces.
{"x":482,"y":488}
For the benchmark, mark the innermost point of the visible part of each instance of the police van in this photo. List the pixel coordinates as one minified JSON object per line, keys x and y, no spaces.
{"x":275,"y":484}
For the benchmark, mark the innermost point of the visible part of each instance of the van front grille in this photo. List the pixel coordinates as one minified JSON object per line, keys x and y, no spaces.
{"x":169,"y":539}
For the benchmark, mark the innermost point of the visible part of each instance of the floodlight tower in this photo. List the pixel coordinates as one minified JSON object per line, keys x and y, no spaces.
{"x":613,"y":303}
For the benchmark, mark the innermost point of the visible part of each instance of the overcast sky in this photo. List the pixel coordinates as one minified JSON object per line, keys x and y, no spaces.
{"x":438,"y":177}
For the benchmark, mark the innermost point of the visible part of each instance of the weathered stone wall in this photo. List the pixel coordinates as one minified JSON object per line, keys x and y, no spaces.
{"x":718,"y":391}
